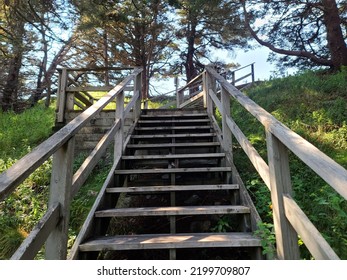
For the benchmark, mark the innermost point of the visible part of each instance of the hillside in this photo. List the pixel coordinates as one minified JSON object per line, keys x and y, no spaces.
{"x":314,"y":105}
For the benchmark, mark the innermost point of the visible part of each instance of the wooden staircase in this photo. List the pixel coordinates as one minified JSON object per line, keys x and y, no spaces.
{"x":170,"y":197}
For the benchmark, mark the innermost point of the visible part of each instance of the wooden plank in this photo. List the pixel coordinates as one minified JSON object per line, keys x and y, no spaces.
{"x":37,"y":237}
{"x":170,"y":188}
{"x":18,"y":172}
{"x":227,"y":135}
{"x":174,"y":156}
{"x":172,"y":170}
{"x":259,"y":164}
{"x":155,"y":128}
{"x":314,"y":241}
{"x":60,"y":192}
{"x":174,"y":121}
{"x":280,"y":183}
{"x":192,"y":81}
{"x":173,"y":145}
{"x":169,"y":241}
{"x":216,"y":101}
{"x":330,"y":171}
{"x":92,"y":160}
{"x":62,"y":95}
{"x":131,"y":104}
{"x":192,"y":99}
{"x":187,"y":135}
{"x":83,"y":99}
{"x":182,"y":115}
{"x":172,"y":211}
{"x":89,"y":88}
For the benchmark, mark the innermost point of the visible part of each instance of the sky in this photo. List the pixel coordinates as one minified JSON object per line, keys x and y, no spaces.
{"x":262,"y":68}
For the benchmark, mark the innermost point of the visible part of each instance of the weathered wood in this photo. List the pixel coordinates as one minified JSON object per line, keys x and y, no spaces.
{"x":192,"y":99}
{"x":174,"y":156}
{"x":181,"y":115}
{"x":83,"y":99}
{"x":119,"y":137}
{"x":167,"y":241}
{"x":172,"y":145}
{"x":187,"y":135}
{"x":97,"y":69}
{"x":330,"y":171}
{"x":172,"y":211}
{"x":314,"y":241}
{"x":280,"y":183}
{"x":60,"y":192}
{"x":172,"y":170}
{"x":131,"y":104}
{"x":259,"y":164}
{"x":227,"y":136}
{"x":89,"y":88}
{"x":37,"y":237}
{"x":87,"y":227}
{"x":216,"y":101}
{"x":175,"y":188}
{"x":156,"y":128}
{"x":18,"y":172}
{"x":92,"y":160}
{"x":62,"y":95}
{"x":174,"y":121}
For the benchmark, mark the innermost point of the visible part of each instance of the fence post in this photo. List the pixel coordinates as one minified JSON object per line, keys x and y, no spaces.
{"x":60,"y":192}
{"x":119,"y":137}
{"x":280,"y":182}
{"x":252,"y":71}
{"x":137,"y":89}
{"x":227,"y":136}
{"x":209,"y":83}
{"x":61,"y":103}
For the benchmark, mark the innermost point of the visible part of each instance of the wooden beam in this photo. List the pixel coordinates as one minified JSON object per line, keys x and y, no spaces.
{"x":169,"y":188}
{"x":190,"y":100}
{"x":171,"y":145}
{"x":172,"y":211}
{"x":37,"y":237}
{"x":172,"y":170}
{"x":187,"y":135}
{"x":174,"y":121}
{"x":258,"y":162}
{"x":314,"y":241}
{"x":216,"y":101}
{"x":174,"y":156}
{"x":170,"y":241}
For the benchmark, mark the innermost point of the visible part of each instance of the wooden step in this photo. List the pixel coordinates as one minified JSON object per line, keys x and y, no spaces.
{"x":174,"y":121}
{"x":174,"y":156}
{"x":173,"y":211}
{"x":186,"y":115}
{"x":173,"y":128}
{"x":172,"y":188}
{"x":173,"y":145}
{"x":171,"y":241}
{"x":172,"y":170}
{"x":186,"y":135}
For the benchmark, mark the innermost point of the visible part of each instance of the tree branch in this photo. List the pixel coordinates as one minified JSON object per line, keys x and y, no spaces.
{"x":305,"y":54}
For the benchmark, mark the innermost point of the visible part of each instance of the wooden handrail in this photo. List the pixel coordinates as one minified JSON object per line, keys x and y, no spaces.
{"x":289,"y":219}
{"x":333,"y":173}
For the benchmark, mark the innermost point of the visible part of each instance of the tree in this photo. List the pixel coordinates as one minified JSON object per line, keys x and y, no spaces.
{"x":206,"y":26}
{"x":305,"y":32}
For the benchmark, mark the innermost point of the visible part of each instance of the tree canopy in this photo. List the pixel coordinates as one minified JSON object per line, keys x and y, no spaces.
{"x":168,"y":37}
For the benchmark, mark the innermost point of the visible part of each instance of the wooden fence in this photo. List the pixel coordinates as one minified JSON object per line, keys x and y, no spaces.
{"x":52,"y":228}
{"x":289,"y":219}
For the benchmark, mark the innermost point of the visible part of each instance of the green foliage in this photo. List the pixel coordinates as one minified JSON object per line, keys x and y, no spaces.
{"x":268,"y":240}
{"x":314,"y":105}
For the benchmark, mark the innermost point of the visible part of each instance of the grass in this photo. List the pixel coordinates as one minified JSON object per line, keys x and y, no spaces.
{"x":314,"y":105}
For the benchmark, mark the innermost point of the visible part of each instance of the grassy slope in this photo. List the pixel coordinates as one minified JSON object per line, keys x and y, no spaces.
{"x":315,"y":106}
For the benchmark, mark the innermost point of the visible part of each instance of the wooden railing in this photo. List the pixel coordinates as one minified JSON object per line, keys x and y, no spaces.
{"x":289,"y":219}
{"x":53,"y":226}
{"x":246,"y":71}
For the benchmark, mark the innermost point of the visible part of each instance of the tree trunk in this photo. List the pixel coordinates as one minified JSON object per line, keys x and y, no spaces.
{"x":336,"y":43}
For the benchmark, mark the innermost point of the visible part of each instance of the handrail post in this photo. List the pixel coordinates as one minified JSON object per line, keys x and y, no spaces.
{"x":252,"y":72}
{"x":227,"y":136}
{"x":61,"y":102}
{"x":209,"y":83}
{"x":119,"y":137}
{"x":137,"y":89}
{"x":280,"y":182}
{"x":60,"y":192}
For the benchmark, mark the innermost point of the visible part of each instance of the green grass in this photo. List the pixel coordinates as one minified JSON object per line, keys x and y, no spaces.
{"x":314,"y":105}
